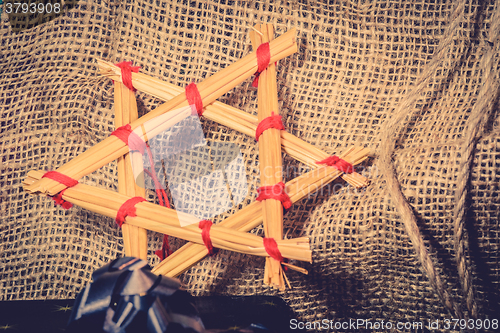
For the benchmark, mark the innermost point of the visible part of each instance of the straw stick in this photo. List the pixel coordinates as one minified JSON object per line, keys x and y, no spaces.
{"x":233,"y":118}
{"x":135,"y":239}
{"x":210,"y":89}
{"x":270,"y":161}
{"x":251,"y":216}
{"x":165,"y":220}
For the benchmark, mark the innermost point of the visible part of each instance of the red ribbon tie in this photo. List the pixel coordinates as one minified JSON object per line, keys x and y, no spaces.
{"x":205,"y":226}
{"x":273,"y":121}
{"x":65,"y":180}
{"x":272,"y":249}
{"x":127,"y":209}
{"x":338,"y":163}
{"x":194,"y":99}
{"x":127,"y":69}
{"x":60,"y":178}
{"x":263,"y":59}
{"x":165,"y":249}
{"x":276,"y":192}
{"x":59,"y":201}
{"x":130,"y":138}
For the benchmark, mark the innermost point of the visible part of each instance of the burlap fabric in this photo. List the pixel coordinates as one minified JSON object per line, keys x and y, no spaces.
{"x":415,"y":81}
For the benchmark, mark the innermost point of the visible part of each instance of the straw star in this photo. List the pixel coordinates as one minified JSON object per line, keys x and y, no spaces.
{"x":143,"y":215}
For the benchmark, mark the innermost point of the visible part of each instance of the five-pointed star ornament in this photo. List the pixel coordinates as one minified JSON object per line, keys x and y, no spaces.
{"x":129,"y":142}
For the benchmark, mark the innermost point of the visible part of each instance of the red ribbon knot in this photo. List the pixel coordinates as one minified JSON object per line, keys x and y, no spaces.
{"x":272,"y":249}
{"x":127,"y":69}
{"x":263,"y":58}
{"x":205,"y":226}
{"x":60,"y":178}
{"x":59,"y":201}
{"x":130,"y":138}
{"x":127,"y":209}
{"x":276,"y":192}
{"x":66,"y":181}
{"x":273,"y":121}
{"x":194,"y":99}
{"x":165,"y":249}
{"x":338,"y":163}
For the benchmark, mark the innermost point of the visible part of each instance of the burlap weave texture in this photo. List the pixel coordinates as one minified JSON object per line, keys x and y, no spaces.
{"x":359,"y":62}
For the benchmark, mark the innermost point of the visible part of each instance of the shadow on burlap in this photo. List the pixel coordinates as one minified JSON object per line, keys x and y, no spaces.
{"x":414,"y":81}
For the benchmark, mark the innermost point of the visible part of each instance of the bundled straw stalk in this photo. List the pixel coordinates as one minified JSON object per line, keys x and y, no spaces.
{"x":166,"y":221}
{"x":212,"y":88}
{"x":135,"y":239}
{"x":270,"y":161}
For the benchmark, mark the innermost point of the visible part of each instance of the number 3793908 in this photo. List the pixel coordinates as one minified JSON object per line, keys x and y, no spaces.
{"x":33,"y":8}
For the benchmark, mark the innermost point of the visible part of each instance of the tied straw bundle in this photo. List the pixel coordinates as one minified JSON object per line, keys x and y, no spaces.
{"x":166,"y":221}
{"x":251,"y":216}
{"x":135,"y":239}
{"x":210,"y":89}
{"x":270,"y":161}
